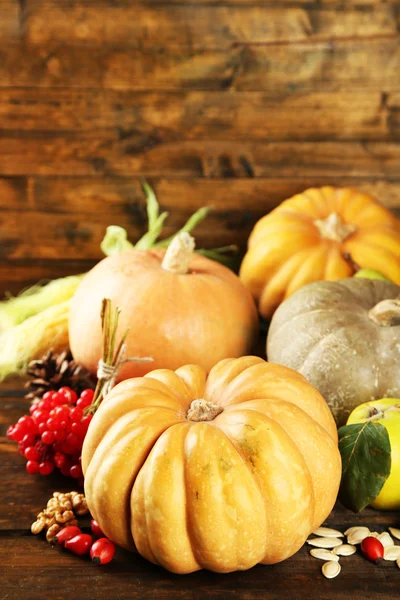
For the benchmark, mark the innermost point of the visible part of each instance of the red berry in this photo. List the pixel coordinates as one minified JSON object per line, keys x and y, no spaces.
{"x":59,"y":459}
{"x":27,"y":423}
{"x":102,"y":551}
{"x":44,"y":405}
{"x":76,"y":414}
{"x":48,"y":437}
{"x":46,"y":467}
{"x":66,"y":534}
{"x":17,"y":433}
{"x":69,"y":394}
{"x":32,"y":408}
{"x":96,"y":530}
{"x":372,"y":548}
{"x":57,"y":399}
{"x":10,"y":431}
{"x":60,"y":435}
{"x":42,"y":427}
{"x":82,"y":403}
{"x":86,"y":421}
{"x":87,"y":394}
{"x":40,"y":416}
{"x":80,"y":544}
{"x":31,"y":453}
{"x":76,"y":471}
{"x":32,"y":466}
{"x":28,"y":440}
{"x":48,"y":395}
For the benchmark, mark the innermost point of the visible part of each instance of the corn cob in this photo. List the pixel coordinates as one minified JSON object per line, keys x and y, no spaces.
{"x":33,"y":337}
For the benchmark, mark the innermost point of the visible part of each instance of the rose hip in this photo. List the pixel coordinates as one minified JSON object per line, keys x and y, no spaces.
{"x":372,"y":549}
{"x":96,"y":530}
{"x":80,"y":544}
{"x":102,"y":551}
{"x":65,"y":534}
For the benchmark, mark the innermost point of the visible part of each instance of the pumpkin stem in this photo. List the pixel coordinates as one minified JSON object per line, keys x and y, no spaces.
{"x":179,"y":254}
{"x":386,"y":313}
{"x":202,"y":410}
{"x":334,"y":228}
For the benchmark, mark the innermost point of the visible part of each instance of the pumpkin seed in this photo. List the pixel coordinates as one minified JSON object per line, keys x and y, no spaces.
{"x":358,"y":535}
{"x":323,"y":554}
{"x":344,"y":550}
{"x":351,"y":530}
{"x":392,"y":553}
{"x":385,"y":539}
{"x":328,"y":532}
{"x":374,"y":534}
{"x":395,"y":532}
{"x":331,"y":569}
{"x":324,"y":542}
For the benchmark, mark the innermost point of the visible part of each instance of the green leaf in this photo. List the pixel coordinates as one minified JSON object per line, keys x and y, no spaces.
{"x":366,"y":462}
{"x":115,"y":241}
{"x":188,"y":227}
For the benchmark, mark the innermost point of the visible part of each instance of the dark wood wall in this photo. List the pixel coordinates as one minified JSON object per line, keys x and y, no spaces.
{"x":234,"y":103}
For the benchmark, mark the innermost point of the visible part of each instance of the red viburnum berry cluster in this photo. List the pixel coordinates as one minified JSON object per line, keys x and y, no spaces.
{"x":52,"y":435}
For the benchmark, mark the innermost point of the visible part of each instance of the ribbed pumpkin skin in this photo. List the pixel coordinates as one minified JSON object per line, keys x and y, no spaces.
{"x":286,"y":249}
{"x":247,"y":487}
{"x":199,"y":317}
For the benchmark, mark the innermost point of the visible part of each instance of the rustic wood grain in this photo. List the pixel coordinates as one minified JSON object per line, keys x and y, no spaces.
{"x":200,"y":27}
{"x":198,"y":115}
{"x":31,"y":568}
{"x":10,"y":20}
{"x":85,"y":154}
{"x":346,"y":65}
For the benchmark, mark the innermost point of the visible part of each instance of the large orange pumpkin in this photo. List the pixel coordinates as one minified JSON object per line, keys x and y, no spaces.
{"x":179,"y":307}
{"x":219,"y":473}
{"x":311,"y":236}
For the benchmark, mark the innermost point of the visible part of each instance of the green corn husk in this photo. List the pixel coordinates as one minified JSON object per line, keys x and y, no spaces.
{"x":37,"y":298}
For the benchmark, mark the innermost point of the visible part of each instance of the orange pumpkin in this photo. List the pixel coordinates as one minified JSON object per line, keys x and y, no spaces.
{"x":219,"y":473}
{"x":311,"y":237}
{"x":179,"y":307}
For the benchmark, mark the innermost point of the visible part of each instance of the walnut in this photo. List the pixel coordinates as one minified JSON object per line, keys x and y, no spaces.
{"x":61,"y":511}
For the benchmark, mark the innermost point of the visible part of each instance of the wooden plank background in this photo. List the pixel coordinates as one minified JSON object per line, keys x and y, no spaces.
{"x":236,"y":104}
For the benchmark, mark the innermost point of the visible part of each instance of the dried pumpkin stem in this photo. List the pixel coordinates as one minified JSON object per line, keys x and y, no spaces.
{"x":179,"y":254}
{"x":202,"y":410}
{"x":334,"y":228}
{"x":386,"y":313}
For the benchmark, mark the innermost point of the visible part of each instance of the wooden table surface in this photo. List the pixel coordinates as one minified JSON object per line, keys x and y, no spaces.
{"x":30,"y":569}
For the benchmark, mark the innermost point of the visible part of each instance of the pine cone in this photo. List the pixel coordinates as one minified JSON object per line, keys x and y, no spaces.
{"x":53,"y":371}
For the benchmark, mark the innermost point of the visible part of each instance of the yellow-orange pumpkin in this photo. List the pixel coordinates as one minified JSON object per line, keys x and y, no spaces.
{"x":311,"y":236}
{"x":179,"y":307}
{"x":219,"y":473}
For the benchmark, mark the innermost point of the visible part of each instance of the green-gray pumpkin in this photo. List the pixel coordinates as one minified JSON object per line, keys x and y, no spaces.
{"x":344,"y":337}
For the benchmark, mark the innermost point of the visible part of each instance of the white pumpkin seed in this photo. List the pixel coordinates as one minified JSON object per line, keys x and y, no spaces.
{"x":392,"y":553}
{"x":351,"y":530}
{"x":323,"y":554}
{"x":324,"y":542}
{"x":385,"y":539}
{"x":395,"y":532}
{"x":328,"y":532}
{"x":374,"y":534}
{"x":357,"y":536}
{"x":344,"y":550}
{"x":331,"y":569}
